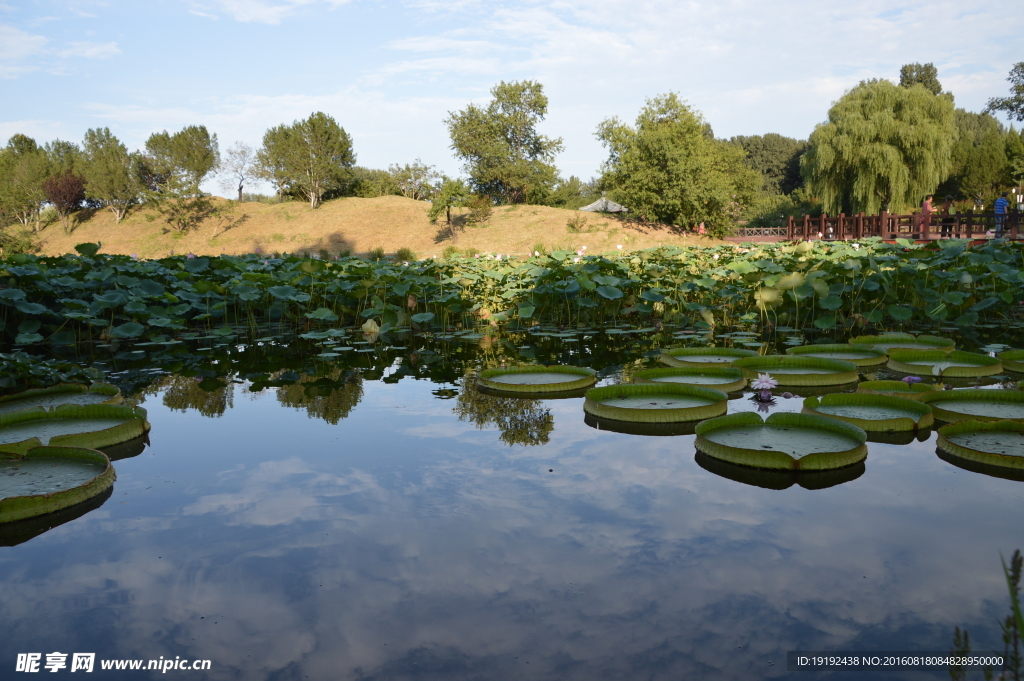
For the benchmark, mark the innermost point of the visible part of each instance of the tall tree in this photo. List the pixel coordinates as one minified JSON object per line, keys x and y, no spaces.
{"x":110,"y":173}
{"x":776,"y":157}
{"x":65,"y":191}
{"x":310,"y":158}
{"x":415,"y":180}
{"x":921,"y":74}
{"x":450,"y":194}
{"x":883,"y":146}
{"x":503,"y":154}
{"x":980,"y":163}
{"x":1012,"y":106}
{"x":174,"y":168}
{"x":238,"y":167}
{"x":24,"y":166}
{"x":669,"y":168}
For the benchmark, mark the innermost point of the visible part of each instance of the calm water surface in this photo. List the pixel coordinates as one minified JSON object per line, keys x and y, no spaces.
{"x":405,"y":542}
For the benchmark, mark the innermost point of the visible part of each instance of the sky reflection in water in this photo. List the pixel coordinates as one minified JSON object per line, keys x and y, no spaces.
{"x":404,"y":542}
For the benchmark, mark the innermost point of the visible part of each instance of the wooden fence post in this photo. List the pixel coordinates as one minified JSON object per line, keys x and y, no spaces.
{"x":883,"y":224}
{"x":859,"y":226}
{"x":807,"y":227}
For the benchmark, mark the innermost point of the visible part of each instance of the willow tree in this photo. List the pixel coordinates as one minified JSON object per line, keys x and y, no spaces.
{"x":884,"y":146}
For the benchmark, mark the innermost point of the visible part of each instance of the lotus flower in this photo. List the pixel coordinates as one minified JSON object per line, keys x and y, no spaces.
{"x":584,"y":248}
{"x":536,"y":253}
{"x":764,"y":382}
{"x":714,"y":257}
{"x":579,"y":252}
{"x":575,"y":259}
{"x":619,"y":246}
{"x":911,"y":379}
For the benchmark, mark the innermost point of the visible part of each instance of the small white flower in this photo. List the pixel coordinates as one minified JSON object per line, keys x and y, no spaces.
{"x":619,"y":247}
{"x":764,"y":382}
{"x":856,"y":246}
{"x":406,"y":264}
{"x":575,"y":259}
{"x":536,"y":252}
{"x":584,"y":248}
{"x":714,"y":257}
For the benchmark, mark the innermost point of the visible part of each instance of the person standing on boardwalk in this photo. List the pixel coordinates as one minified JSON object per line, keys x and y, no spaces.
{"x":947,"y":221}
{"x":926,"y":215}
{"x":1002,"y":207}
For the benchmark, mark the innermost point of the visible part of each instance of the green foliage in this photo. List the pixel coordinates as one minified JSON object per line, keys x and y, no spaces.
{"x":1012,"y":106}
{"x":921,"y":74}
{"x":577,"y":224}
{"x":451,"y":194}
{"x":504,"y":155}
{"x":980,"y":160}
{"x":450,"y":251}
{"x":777,"y":158}
{"x":405,"y":254}
{"x":376,"y":253}
{"x":110,"y":172}
{"x":369,"y":183}
{"x":883,"y":146}
{"x":480,"y":209}
{"x":670,"y":169}
{"x":172,"y":170}
{"x":414,"y":180}
{"x":572,"y":194}
{"x":24,"y":167}
{"x":309,"y":158}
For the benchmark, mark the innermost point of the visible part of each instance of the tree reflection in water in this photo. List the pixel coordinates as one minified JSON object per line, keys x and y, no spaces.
{"x":209,"y":396}
{"x":521,"y":421}
{"x":331,"y":397}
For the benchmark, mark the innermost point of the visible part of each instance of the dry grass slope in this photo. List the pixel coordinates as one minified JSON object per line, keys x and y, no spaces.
{"x":356,"y":225}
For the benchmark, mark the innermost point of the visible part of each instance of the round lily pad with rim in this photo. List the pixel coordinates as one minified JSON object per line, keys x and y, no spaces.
{"x":655,"y":402}
{"x":860,"y":355}
{"x":905,"y":341}
{"x":1013,"y":360}
{"x":956,"y":364}
{"x":872,"y":413}
{"x":799,"y":371}
{"x":973,"y":404}
{"x":703,"y":357}
{"x":48,"y":479}
{"x":71,"y":425}
{"x":907,"y":391}
{"x":20,"y":531}
{"x":994,"y":443}
{"x":63,"y":393}
{"x":770,"y":478}
{"x":784,"y":441}
{"x":537,"y":379}
{"x":634,"y":428}
{"x":726,"y":379}
{"x":127,"y":449}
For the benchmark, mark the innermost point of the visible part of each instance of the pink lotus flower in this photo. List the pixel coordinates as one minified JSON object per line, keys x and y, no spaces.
{"x":764,"y":382}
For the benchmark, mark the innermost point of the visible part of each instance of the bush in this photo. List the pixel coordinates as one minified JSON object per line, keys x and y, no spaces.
{"x":577,"y":224}
{"x":480,"y":208}
{"x":376,"y":253}
{"x":539,"y":248}
{"x":406,"y":254}
{"x":14,"y":240}
{"x":470,"y":252}
{"x":449,"y":252}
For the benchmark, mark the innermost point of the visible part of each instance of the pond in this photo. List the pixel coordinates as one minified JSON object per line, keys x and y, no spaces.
{"x":370,"y":515}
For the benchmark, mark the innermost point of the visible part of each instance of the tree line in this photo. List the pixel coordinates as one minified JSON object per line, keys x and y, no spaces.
{"x":884,"y":145}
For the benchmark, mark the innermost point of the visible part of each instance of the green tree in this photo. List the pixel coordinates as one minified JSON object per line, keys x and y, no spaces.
{"x":1012,"y":106}
{"x":669,"y":168}
{"x":503,"y":154}
{"x":980,"y":163}
{"x":450,"y":194}
{"x":173,"y":170}
{"x":415,"y":180}
{"x":883,"y":146}
{"x":24,"y":167}
{"x":309,"y":158}
{"x":572,"y":193}
{"x":369,"y":183}
{"x":777,"y":158}
{"x":110,"y":172}
{"x":921,"y":74}
{"x":1015,"y":155}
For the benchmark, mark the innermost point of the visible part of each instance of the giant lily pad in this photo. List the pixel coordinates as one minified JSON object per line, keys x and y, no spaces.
{"x":939,"y":363}
{"x":872,"y":412}
{"x":71,"y":425}
{"x":726,"y":379}
{"x":655,"y":402}
{"x":537,"y":379}
{"x":1012,"y":360}
{"x":905,"y":341}
{"x":861,"y":355}
{"x":20,"y":531}
{"x":770,"y":478}
{"x":65,"y":393}
{"x":969,"y":404}
{"x":635,"y":428}
{"x":703,"y":357}
{"x":799,"y":370}
{"x":907,"y":391}
{"x":784,"y":441}
{"x":47,"y":479}
{"x":995,"y":443}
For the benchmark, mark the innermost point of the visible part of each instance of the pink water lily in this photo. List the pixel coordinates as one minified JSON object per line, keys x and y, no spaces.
{"x":764,"y":382}
{"x":911,"y":379}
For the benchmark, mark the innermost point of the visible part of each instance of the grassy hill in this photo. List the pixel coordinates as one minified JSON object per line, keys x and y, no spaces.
{"x":352,"y":224}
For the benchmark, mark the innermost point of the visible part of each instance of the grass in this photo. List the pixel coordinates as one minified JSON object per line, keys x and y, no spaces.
{"x":349,"y":224}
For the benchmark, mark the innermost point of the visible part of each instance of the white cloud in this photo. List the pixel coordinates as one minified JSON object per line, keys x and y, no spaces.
{"x":258,"y":11}
{"x":88,"y":50}
{"x":16,"y":47}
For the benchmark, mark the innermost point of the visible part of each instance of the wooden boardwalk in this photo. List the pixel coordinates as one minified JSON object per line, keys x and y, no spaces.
{"x":969,"y":225}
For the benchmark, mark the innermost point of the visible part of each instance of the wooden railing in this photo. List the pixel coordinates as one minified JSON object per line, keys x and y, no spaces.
{"x":968,"y":225}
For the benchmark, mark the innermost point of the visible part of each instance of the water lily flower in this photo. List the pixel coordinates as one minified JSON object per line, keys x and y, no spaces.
{"x":714,"y":257}
{"x":911,"y":379}
{"x":191,"y":255}
{"x":856,"y":247}
{"x":579,"y":252}
{"x":820,"y":234}
{"x":764,"y":382}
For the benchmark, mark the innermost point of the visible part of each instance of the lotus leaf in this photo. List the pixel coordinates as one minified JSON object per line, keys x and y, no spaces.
{"x":47,"y":479}
{"x":907,"y":391}
{"x":996,"y":443}
{"x":537,"y":379}
{"x":655,"y":402}
{"x":71,"y":425}
{"x":784,"y":441}
{"x":860,"y":355}
{"x":726,"y":379}
{"x":800,"y":370}
{"x":905,"y":341}
{"x":940,"y":363}
{"x":703,"y":357}
{"x":1012,"y":360}
{"x":872,"y":412}
{"x":975,"y":404}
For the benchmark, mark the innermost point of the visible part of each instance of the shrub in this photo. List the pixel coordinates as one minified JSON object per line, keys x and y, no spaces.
{"x":406,"y":254}
{"x":376,"y":253}
{"x":577,"y":224}
{"x":449,"y":252}
{"x":539,"y":248}
{"x":480,"y":208}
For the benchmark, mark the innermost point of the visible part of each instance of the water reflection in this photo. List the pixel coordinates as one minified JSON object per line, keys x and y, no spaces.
{"x":20,"y":531}
{"x":983,"y":468}
{"x":330,"y":397}
{"x":209,"y":396}
{"x":778,"y":479}
{"x":520,"y":420}
{"x":127,"y":450}
{"x":904,"y":437}
{"x":630,"y":428}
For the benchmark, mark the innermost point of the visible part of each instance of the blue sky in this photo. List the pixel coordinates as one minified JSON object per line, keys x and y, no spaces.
{"x":390,"y":70}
